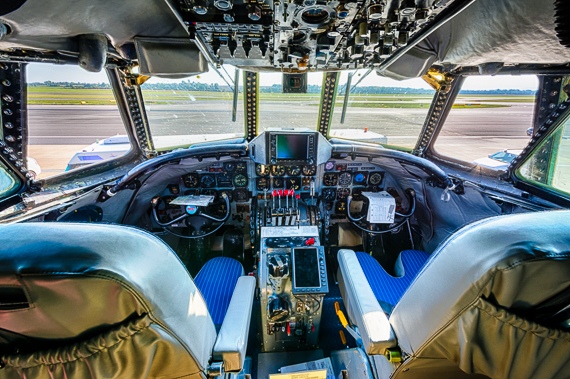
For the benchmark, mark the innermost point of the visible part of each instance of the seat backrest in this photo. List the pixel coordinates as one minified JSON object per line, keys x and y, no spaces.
{"x":469,"y":307}
{"x":98,"y":301}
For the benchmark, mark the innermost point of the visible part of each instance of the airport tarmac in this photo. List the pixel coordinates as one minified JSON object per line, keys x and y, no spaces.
{"x":57,"y":132}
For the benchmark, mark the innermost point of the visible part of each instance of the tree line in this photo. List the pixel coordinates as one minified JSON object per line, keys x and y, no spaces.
{"x":277,"y":88}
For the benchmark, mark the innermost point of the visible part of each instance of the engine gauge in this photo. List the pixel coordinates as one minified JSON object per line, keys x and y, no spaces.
{"x":261,"y":170}
{"x":241,"y":167}
{"x":207,"y":181}
{"x":293,"y":183}
{"x":191,"y":180}
{"x":261,"y":183}
{"x":345,"y":179}
{"x":342,"y":193}
{"x":329,"y":166}
{"x":241,"y":195}
{"x":293,"y":170}
{"x":278,"y":170}
{"x":229,"y":166}
{"x":240,"y":180}
{"x":375,"y":178}
{"x":330,"y":179}
{"x":359,"y":178}
{"x":329,"y":194}
{"x":310,"y":170}
{"x":277,"y":182}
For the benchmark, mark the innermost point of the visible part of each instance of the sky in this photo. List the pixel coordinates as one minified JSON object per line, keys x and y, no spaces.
{"x":57,"y":73}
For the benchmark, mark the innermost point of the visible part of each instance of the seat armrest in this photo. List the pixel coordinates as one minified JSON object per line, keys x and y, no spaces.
{"x":231,"y":342}
{"x":362,"y":306}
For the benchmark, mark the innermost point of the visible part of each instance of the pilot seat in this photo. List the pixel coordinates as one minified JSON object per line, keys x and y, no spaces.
{"x":492,"y":301}
{"x":108,"y":301}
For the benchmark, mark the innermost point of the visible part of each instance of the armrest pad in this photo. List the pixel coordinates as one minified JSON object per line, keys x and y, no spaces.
{"x":231,"y":343}
{"x":362,"y":306}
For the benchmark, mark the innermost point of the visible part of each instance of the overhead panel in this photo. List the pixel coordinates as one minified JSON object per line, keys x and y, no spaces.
{"x":301,"y":35}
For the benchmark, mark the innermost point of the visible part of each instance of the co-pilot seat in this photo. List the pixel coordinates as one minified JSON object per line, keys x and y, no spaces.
{"x":105,"y":301}
{"x":492,"y":300}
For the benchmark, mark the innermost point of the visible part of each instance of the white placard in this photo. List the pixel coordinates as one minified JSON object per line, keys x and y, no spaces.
{"x":199,"y":200}
{"x":382,"y":207}
{"x":290,"y":231}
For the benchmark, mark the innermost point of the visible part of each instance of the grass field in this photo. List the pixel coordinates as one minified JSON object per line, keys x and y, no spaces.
{"x":66,"y":96}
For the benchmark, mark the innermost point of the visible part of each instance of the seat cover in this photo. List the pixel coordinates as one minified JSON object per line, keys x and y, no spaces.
{"x":216,"y":282}
{"x":389,"y":289}
{"x":98,"y":301}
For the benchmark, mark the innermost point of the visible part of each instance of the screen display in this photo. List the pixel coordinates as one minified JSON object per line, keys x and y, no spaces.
{"x":292,"y":147}
{"x":306,"y":268}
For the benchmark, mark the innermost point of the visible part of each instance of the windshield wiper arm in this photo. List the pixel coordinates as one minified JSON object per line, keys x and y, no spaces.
{"x":222,"y":76}
{"x":236,"y":94}
{"x":348,"y":90}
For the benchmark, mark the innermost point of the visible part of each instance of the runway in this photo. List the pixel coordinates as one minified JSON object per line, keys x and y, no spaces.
{"x":56,"y":132}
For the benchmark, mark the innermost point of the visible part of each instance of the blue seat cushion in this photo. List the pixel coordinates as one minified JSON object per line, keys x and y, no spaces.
{"x":389,"y":289}
{"x":216,"y":282}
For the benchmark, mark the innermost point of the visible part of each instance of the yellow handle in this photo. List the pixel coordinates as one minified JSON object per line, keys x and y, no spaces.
{"x":340,"y":315}
{"x":342,"y":337}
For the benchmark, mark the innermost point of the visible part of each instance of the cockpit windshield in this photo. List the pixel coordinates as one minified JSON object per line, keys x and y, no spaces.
{"x":203,"y":108}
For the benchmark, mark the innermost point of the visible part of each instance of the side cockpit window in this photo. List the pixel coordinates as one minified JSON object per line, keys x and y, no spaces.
{"x":490,"y":121}
{"x":548,"y":166}
{"x":73,"y":120}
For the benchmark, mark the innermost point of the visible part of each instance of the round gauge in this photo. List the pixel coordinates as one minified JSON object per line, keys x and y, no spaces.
{"x":342,"y":193}
{"x":278,"y":170}
{"x":229,"y":166}
{"x":375,"y":178}
{"x":228,"y":194}
{"x":240,"y":195}
{"x":240,"y":180}
{"x":293,"y":170}
{"x":329,"y":166}
{"x":191,"y":180}
{"x":207,"y":181}
{"x":241,"y":167}
{"x":344,"y":179}
{"x":330,"y":179}
{"x":261,"y":184}
{"x":293,"y":183}
{"x":359,"y":178}
{"x":261,"y":170}
{"x":329,"y":194}
{"x":309,"y":170}
{"x":277,"y":183}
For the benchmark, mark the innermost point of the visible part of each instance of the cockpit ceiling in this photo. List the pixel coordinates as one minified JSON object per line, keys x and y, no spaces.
{"x":53,"y":25}
{"x":304,"y":34}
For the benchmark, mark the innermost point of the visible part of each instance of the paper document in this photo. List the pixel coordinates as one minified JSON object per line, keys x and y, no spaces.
{"x":320,"y":364}
{"x":319,"y":374}
{"x":199,"y":200}
{"x":382,"y":207}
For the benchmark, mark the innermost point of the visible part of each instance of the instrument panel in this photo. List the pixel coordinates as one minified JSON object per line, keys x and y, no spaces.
{"x":294,"y":177}
{"x":242,"y":180}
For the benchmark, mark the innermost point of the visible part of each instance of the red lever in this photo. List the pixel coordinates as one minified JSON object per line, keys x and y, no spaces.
{"x":274,"y":193}
{"x":280,"y":193}
{"x":310,"y":241}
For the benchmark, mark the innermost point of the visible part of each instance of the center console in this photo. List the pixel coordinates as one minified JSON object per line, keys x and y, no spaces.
{"x":293,"y":283}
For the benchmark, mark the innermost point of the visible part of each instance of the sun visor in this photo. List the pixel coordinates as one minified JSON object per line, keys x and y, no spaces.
{"x":413,"y":64}
{"x":169,"y":57}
